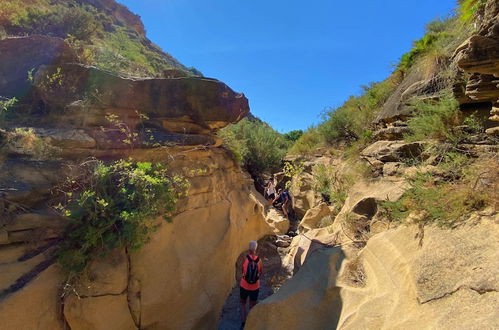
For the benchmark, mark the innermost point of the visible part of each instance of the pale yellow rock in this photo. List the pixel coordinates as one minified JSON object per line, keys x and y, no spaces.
{"x":36,"y":306}
{"x":446,"y":280}
{"x":309,"y":300}
{"x":314,"y":216}
{"x":105,"y":276}
{"x":10,"y":272}
{"x":363,"y":201}
{"x":98,"y":313}
{"x":451,"y":282}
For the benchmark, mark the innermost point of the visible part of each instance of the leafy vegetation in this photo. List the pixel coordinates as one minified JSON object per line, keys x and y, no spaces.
{"x":114,"y":206}
{"x":5,"y":105}
{"x":292,"y":172}
{"x":445,"y":204}
{"x":255,"y":145}
{"x":434,"y":119}
{"x":306,"y":143}
{"x":470,"y":8}
{"x":293,"y":136}
{"x":421,"y":47}
{"x":331,"y":185}
{"x":350,"y":122}
{"x":98,"y":37}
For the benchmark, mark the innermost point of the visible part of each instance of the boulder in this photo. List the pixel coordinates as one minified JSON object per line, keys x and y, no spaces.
{"x":391,"y":133}
{"x":359,"y":217}
{"x":207,"y":103}
{"x":109,"y":312}
{"x":391,"y":151}
{"x":105,"y":276}
{"x":444,"y":279}
{"x":314,"y":216}
{"x":309,"y":300}
{"x":18,"y":56}
{"x":392,"y":168}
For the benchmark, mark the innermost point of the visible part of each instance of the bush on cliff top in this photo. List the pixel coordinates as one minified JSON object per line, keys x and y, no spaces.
{"x":255,"y":145}
{"x":114,"y":206}
{"x":98,"y":38}
{"x":469,"y":9}
{"x":349,"y":122}
{"x":434,"y":119}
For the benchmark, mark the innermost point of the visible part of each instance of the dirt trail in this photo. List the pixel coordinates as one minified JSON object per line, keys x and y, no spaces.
{"x":273,"y":277}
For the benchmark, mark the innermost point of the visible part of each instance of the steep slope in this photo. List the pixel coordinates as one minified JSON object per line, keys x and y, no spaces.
{"x":397,"y":189}
{"x":102,"y":33}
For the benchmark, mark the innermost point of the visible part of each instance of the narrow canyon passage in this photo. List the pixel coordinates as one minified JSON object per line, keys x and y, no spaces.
{"x":271,"y":249}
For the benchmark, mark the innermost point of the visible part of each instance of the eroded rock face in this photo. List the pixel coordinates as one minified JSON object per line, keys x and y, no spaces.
{"x":450,"y":282}
{"x":171,"y":284}
{"x":55,"y":92}
{"x":168,"y":284}
{"x":313,"y":288}
{"x":444,"y":279}
{"x":203,"y":103}
{"x":78,"y":111}
{"x":18,"y":56}
{"x":479,"y":56}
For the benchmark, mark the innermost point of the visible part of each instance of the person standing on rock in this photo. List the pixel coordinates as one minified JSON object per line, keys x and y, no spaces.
{"x":250,"y":281}
{"x":270,"y":191}
{"x":283,"y":199}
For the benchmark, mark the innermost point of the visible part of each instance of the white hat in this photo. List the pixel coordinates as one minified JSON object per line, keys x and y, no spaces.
{"x":253,"y":245}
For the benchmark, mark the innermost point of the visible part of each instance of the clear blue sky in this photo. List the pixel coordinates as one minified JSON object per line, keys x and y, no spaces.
{"x":290,"y":58}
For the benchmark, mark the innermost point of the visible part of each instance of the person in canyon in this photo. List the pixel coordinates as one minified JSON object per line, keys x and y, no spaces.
{"x":270,"y":191}
{"x":250,"y":281}
{"x":283,"y":199}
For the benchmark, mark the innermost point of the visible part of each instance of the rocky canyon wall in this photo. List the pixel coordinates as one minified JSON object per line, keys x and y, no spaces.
{"x":181,"y":278}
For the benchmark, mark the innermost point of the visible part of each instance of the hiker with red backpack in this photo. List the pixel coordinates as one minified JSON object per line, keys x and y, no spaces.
{"x":250,"y":281}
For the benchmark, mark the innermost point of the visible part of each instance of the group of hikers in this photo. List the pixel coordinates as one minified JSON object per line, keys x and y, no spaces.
{"x":252,"y":268}
{"x":277,"y":197}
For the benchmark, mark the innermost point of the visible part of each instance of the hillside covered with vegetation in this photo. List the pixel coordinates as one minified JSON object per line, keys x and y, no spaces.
{"x":354,"y":122}
{"x":103,"y":33}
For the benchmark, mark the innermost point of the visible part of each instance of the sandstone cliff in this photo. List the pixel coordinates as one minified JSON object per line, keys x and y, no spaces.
{"x":64,"y":111}
{"x":355,"y":265}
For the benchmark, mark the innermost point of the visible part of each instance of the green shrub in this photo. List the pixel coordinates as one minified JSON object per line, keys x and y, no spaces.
{"x":421,"y":47}
{"x":236,"y":144}
{"x":338,"y":125}
{"x":434,"y":119}
{"x":330,"y":184}
{"x":259,"y":147}
{"x":5,"y":105}
{"x":352,"y":121}
{"x":293,"y":136}
{"x":469,"y":9}
{"x":293,"y":172}
{"x":445,"y":204}
{"x":114,"y":206}
{"x":307,"y":143}
{"x":475,"y":124}
{"x":58,"y":21}
{"x":99,"y":38}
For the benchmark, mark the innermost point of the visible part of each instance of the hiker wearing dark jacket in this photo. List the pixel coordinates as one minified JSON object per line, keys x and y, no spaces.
{"x":250,"y":281}
{"x":283,"y":199}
